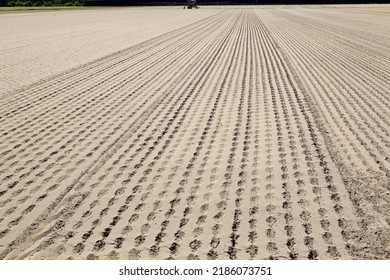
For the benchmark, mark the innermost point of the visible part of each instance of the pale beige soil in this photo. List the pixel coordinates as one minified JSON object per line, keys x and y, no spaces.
{"x":39,"y":44}
{"x":253,"y":133}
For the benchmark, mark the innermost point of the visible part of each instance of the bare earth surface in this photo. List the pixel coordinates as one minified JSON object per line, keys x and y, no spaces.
{"x":37,"y":44}
{"x":251,"y":133}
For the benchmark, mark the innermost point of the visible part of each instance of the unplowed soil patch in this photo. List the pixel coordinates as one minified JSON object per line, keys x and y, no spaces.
{"x":248,"y":134}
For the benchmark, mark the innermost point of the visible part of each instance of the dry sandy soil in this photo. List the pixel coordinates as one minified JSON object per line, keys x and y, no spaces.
{"x":38,"y":44}
{"x":218,"y":133}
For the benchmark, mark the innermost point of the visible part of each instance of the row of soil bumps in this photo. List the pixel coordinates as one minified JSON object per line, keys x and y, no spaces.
{"x":230,"y":138}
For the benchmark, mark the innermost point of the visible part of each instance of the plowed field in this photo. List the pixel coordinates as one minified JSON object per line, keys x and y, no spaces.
{"x":253,"y":133}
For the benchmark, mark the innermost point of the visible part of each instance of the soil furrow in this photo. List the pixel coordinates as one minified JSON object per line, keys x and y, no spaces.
{"x":247,"y":134}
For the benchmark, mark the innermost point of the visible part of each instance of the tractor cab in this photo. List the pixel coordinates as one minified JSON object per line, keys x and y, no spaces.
{"x":191,"y":4}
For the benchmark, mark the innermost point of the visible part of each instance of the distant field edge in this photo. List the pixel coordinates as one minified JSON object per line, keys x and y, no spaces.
{"x":6,"y":9}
